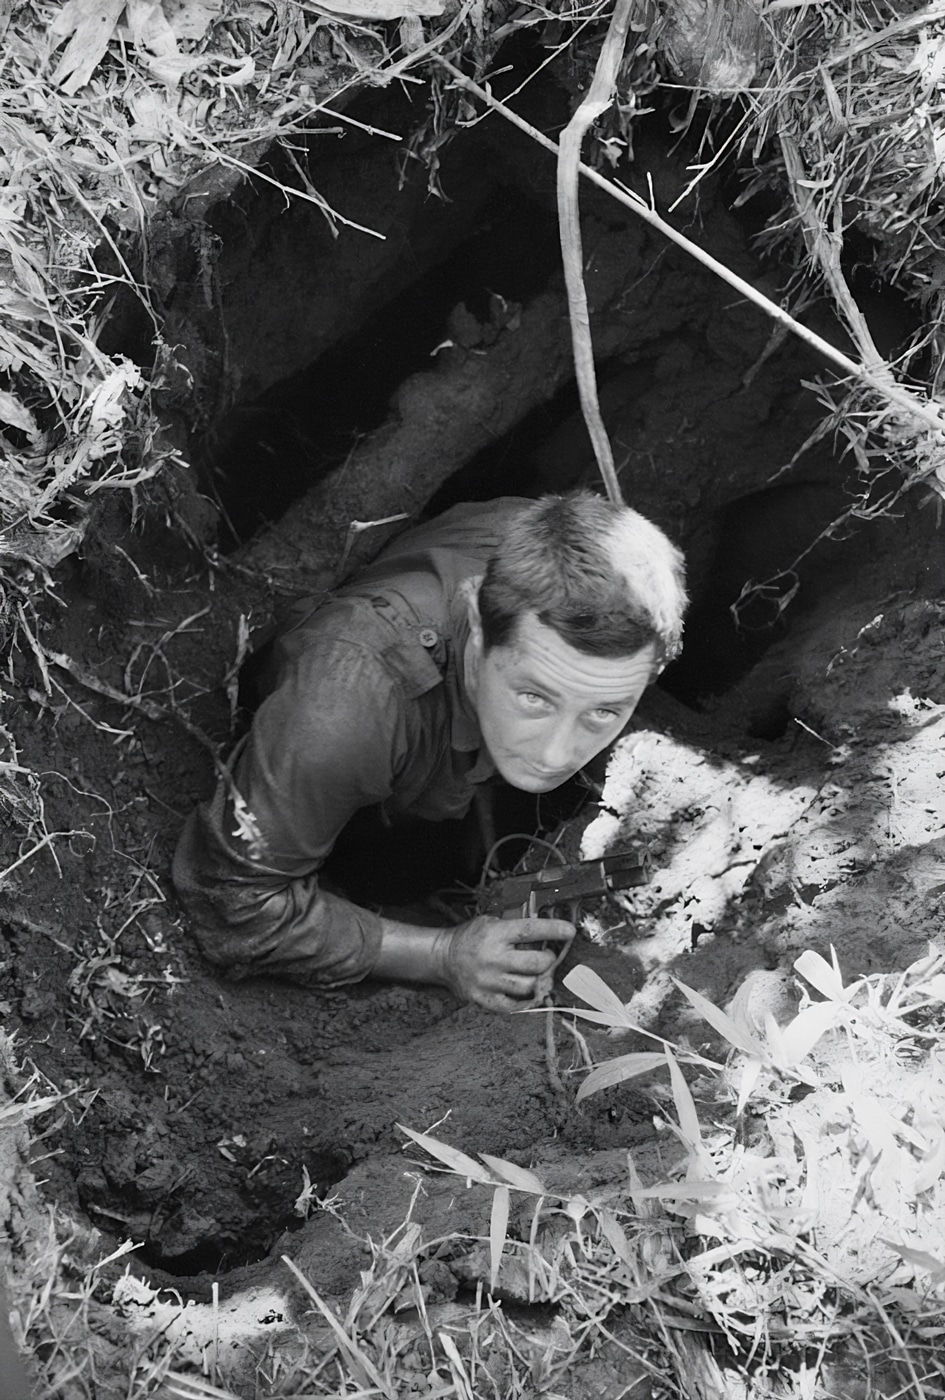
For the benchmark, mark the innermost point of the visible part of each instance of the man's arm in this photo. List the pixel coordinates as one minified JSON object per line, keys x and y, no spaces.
{"x":328,"y":742}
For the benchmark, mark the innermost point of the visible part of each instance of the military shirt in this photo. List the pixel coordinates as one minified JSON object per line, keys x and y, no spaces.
{"x":367,"y":706}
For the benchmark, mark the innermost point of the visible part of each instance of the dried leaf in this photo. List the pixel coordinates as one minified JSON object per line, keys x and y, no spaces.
{"x":932,"y":1166}
{"x":15,"y":413}
{"x":91,"y":24}
{"x":190,"y":19}
{"x":616,"y":1237}
{"x":244,"y":74}
{"x":371,"y":10}
{"x":684,"y":1191}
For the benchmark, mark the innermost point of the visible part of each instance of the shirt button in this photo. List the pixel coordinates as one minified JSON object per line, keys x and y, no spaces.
{"x":428,"y":638}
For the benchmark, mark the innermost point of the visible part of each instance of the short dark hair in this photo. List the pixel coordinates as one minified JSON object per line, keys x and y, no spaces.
{"x":606,"y":579}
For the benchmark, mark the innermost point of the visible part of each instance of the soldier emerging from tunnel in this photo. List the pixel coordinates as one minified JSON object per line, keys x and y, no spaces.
{"x":511,"y":638}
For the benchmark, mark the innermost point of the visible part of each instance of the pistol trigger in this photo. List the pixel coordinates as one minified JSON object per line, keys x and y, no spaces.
{"x":573,"y":908}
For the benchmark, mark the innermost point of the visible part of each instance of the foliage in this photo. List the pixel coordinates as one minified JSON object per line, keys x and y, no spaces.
{"x":789,"y":1238}
{"x":809,"y":1238}
{"x":847,"y":127}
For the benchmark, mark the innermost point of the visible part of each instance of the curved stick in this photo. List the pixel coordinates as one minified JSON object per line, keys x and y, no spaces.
{"x":598,"y":99}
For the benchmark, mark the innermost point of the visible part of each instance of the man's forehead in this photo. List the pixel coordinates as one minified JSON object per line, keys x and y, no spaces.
{"x":537,"y":649}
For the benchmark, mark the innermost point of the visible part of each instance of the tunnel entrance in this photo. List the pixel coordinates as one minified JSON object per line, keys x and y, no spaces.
{"x":268,"y":452}
{"x":702,"y":419}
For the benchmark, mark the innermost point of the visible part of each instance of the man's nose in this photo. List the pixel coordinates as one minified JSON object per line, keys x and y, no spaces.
{"x":562,"y":749}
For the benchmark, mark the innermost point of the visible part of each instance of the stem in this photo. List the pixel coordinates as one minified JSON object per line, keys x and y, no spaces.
{"x":598,"y":99}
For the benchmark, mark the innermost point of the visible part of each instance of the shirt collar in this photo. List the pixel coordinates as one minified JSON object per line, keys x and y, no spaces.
{"x":465,"y":734}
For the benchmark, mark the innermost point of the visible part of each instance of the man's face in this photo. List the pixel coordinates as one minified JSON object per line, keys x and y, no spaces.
{"x":546,"y":709}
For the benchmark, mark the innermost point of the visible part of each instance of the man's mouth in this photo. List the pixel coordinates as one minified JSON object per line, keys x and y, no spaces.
{"x":548,"y":775}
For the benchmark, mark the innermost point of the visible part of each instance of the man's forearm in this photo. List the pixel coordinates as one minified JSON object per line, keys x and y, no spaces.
{"x":410,"y":953}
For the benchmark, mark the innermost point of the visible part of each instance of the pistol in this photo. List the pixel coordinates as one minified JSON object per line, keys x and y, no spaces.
{"x":537,"y":892}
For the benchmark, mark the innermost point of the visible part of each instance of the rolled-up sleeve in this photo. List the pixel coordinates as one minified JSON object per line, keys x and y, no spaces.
{"x":328,"y":741}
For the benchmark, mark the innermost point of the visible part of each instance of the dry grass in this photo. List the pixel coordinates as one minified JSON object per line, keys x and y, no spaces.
{"x":848,"y":121}
{"x":112,"y":116}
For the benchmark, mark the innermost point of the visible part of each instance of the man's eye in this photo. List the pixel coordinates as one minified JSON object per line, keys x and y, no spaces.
{"x":531,"y":700}
{"x":602,"y":716}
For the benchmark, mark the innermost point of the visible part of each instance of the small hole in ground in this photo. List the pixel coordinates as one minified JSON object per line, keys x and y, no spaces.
{"x":218,"y":1254}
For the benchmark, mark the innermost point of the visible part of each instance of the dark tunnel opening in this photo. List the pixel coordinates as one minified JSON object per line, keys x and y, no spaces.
{"x":267,"y":453}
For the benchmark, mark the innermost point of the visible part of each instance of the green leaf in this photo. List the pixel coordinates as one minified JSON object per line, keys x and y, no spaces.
{"x":586,"y":984}
{"x":685,"y":1107}
{"x":617,"y":1070}
{"x":751,"y":1069}
{"x":919,"y":1258}
{"x":727,"y":1028}
{"x":451,"y":1157}
{"x":799,"y":1036}
{"x":824,"y":976}
{"x":518,"y":1177}
{"x":498,"y":1229}
{"x":934,"y":987}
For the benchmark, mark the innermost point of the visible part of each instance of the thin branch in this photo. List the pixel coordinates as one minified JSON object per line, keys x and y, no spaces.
{"x":598,"y":99}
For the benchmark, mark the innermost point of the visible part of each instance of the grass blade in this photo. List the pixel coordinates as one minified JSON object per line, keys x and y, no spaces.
{"x":617,"y":1070}
{"x":498,"y":1229}
{"x":686,"y":1112}
{"x":586,"y":984}
{"x":727,"y":1028}
{"x":518,"y":1177}
{"x":451,"y":1157}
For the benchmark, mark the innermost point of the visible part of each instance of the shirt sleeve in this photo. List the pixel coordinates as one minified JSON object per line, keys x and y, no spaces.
{"x":327,"y":742}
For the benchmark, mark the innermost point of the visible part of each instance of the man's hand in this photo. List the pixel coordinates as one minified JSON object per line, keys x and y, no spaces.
{"x":501,"y":964}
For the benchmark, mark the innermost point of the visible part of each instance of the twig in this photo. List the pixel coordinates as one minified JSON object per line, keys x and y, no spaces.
{"x":148,"y":708}
{"x":551,"y":1058}
{"x":34,"y":851}
{"x":888,"y":388}
{"x":598,"y":99}
{"x":824,"y":248}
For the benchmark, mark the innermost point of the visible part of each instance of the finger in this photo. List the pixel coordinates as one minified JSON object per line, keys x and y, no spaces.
{"x":495,"y":1001}
{"x":515,"y":985}
{"x":541,"y":931}
{"x":530,"y":960}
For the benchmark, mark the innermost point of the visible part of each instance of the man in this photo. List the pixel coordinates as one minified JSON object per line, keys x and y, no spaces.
{"x":514,"y":638}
